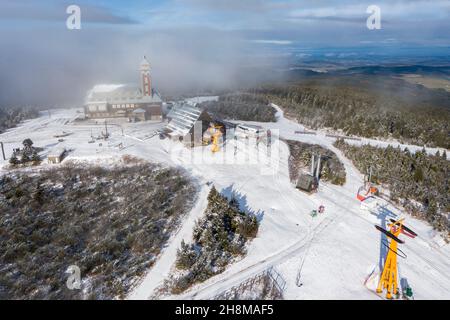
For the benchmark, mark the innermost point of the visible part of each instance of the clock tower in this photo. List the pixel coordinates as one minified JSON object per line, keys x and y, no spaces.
{"x":145,"y":78}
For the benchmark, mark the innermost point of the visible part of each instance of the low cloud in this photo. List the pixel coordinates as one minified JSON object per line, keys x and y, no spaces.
{"x":279,"y":42}
{"x":191,"y":44}
{"x":56,"y":66}
{"x":19,"y":10}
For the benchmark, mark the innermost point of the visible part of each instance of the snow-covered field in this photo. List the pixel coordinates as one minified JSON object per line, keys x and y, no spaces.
{"x":332,"y":254}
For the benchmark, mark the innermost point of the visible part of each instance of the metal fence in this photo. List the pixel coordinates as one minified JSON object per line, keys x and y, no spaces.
{"x":305,"y":132}
{"x":342,"y":137}
{"x":276,"y":285}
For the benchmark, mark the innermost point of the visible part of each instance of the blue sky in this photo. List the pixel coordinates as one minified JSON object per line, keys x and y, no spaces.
{"x":194,"y":42}
{"x":319,"y":22}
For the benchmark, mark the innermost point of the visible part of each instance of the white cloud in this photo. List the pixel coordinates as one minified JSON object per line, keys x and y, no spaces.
{"x":280,"y":42}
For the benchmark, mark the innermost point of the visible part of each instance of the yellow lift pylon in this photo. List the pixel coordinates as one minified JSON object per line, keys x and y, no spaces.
{"x":389,"y":276}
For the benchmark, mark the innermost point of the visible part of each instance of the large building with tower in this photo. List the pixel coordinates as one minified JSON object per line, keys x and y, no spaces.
{"x":125,"y":101}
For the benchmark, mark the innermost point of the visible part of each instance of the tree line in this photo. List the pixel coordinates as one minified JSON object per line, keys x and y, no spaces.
{"x":417,"y":181}
{"x":241,"y":106}
{"x":358,"y":109}
{"x":10,"y":117}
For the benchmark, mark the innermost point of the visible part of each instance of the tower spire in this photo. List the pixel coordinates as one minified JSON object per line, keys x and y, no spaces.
{"x":145,"y":77}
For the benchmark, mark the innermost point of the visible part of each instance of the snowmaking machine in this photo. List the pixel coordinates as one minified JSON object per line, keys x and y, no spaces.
{"x":389,"y":277}
{"x":216,"y":133}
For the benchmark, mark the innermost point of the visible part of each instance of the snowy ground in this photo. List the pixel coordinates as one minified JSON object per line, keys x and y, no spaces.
{"x":337,"y":250}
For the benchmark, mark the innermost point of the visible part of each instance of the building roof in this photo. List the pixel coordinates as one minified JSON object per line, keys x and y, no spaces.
{"x":56,"y":153}
{"x":182,"y":118}
{"x":120,"y":93}
{"x":306,"y":182}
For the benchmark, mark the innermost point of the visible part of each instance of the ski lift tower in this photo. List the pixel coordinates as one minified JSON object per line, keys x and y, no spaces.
{"x":389,"y":276}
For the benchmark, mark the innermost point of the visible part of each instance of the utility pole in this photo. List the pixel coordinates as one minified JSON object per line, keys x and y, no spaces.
{"x":3,"y":151}
{"x":106,"y":129}
{"x":368,"y":174}
{"x":318,"y":167}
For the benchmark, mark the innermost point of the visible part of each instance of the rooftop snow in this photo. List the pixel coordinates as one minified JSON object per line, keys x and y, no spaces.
{"x":105,"y":87}
{"x":182,"y":118}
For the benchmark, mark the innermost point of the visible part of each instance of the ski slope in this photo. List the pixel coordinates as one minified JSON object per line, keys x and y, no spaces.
{"x":332,"y":253}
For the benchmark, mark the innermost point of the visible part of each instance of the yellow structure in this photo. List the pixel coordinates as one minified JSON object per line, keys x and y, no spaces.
{"x":216,"y":133}
{"x":389,"y":276}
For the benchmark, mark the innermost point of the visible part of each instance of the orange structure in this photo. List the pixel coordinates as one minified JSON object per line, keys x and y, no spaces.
{"x":366,"y":191}
{"x":216,"y":133}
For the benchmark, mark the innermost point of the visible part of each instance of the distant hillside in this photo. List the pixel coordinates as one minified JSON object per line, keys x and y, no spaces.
{"x":368,"y":106}
{"x":443,"y":71}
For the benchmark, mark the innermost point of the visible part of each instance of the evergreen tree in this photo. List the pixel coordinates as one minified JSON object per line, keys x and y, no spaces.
{"x":25,"y":158}
{"x":185,"y":256}
{"x":27,"y":143}
{"x":418,"y":174}
{"x":13,"y":160}
{"x":218,"y":236}
{"x":35,"y":158}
